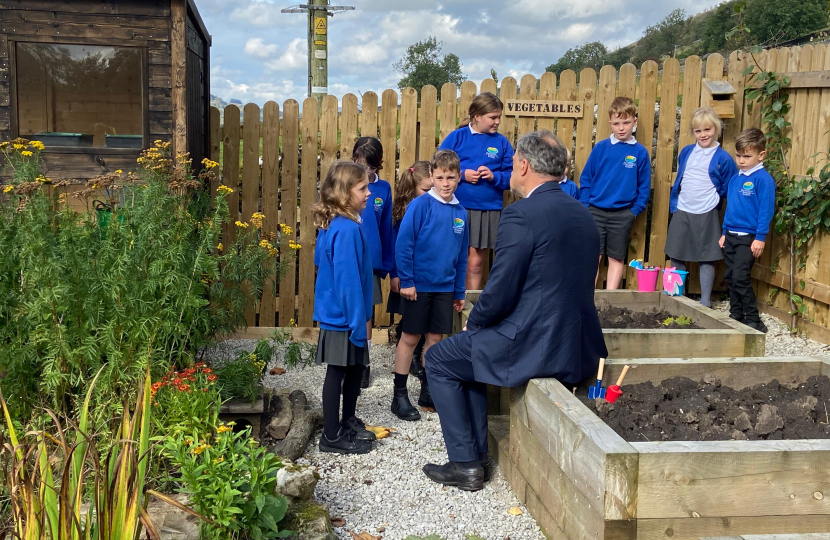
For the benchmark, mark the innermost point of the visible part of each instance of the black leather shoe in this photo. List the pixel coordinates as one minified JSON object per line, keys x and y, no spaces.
{"x":401,"y":406}
{"x":488,"y":466}
{"x":345,"y":443}
{"x":425,"y":398}
{"x":356,"y":426}
{"x":450,"y":474}
{"x":757,"y":325}
{"x":365,"y":380}
{"x":739,"y":319}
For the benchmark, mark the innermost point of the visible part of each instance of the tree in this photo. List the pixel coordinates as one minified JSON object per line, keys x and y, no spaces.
{"x":718,"y":24}
{"x":619,"y":57}
{"x":423,"y":64}
{"x":782,"y":20}
{"x":660,"y":39}
{"x":589,"y":55}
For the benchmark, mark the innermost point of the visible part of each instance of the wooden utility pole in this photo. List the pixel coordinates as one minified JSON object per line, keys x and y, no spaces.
{"x":318,"y":64}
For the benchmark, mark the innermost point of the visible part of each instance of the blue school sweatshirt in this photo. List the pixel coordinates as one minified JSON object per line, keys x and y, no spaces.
{"x":474,"y":150}
{"x":377,"y":225}
{"x":431,"y":251}
{"x":721,"y":169}
{"x":343,"y":291}
{"x":750,"y":203}
{"x":570,"y":188}
{"x":617,"y":175}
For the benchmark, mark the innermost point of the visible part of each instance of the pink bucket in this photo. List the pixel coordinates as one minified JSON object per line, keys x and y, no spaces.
{"x":647,"y":279}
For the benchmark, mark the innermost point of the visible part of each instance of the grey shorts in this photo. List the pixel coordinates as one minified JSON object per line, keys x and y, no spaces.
{"x":614,"y":230}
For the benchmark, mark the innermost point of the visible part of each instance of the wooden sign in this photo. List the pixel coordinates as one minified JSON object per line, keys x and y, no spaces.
{"x":547,"y":109}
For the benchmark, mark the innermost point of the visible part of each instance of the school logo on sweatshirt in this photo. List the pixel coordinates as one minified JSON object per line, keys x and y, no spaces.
{"x":630,"y":162}
{"x":458,"y":226}
{"x":492,"y":153}
{"x":748,"y":188}
{"x":378,"y":204}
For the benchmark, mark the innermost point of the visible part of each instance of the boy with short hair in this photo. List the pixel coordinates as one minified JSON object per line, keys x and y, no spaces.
{"x":615,"y":186}
{"x":750,"y":203}
{"x":431,"y":257}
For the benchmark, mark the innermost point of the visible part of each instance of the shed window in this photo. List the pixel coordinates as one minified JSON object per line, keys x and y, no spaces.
{"x":80,"y":95}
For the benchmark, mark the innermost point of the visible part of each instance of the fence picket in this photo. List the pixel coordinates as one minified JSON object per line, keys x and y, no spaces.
{"x":288,"y":208}
{"x":628,"y":81}
{"x":369,"y":115}
{"x":489,"y":85}
{"x":565,"y":126}
{"x":308,"y":195}
{"x":447,"y":113}
{"x":690,"y":100}
{"x":527,"y":90}
{"x":508,"y":123}
{"x":388,"y":138}
{"x":409,"y":127}
{"x":230,"y":171}
{"x":428,"y":122}
{"x":270,"y":199}
{"x":662,"y":180}
{"x":348,"y":126}
{"x":585,"y":125}
{"x":547,"y":92}
{"x":645,"y":136}
{"x":328,"y":135}
{"x":605,"y":95}
{"x":215,"y":145}
{"x":468,"y":92}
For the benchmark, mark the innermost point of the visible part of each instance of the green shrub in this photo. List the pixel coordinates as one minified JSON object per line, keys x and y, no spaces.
{"x":241,"y":377}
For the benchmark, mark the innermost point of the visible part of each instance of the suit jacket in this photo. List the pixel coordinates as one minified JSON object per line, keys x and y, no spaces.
{"x":536,"y":316}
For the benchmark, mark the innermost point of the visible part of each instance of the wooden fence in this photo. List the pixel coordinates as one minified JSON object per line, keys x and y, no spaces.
{"x":285,"y":185}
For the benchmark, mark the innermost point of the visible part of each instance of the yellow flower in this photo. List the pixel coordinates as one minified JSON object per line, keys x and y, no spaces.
{"x":3,"y":145}
{"x":37,"y":145}
{"x":209,"y":164}
{"x":8,"y":189}
{"x":252,"y":356}
{"x":241,"y":224}
{"x":224,"y":189}
{"x":285,"y":229}
{"x":219,"y":460}
{"x":19,"y":146}
{"x":220,"y":247}
{"x":256,"y":219}
{"x":294,"y":245}
{"x":223,"y":429}
{"x":273,"y":252}
{"x":43,"y":180}
{"x":258,"y":215}
{"x":201,"y":448}
{"x":26,"y":153}
{"x":119,"y":171}
{"x":265,"y":244}
{"x":291,"y":322}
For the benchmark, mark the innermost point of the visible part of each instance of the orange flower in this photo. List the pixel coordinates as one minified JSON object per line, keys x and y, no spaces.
{"x":212,"y":378}
{"x":207,"y":370}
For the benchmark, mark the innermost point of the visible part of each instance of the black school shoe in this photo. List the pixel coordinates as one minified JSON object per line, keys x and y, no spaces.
{"x":365,"y":379}
{"x":739,"y":319}
{"x":356,"y":426}
{"x":345,"y":443}
{"x":425,"y":398}
{"x":488,"y":465}
{"x":402,"y":407}
{"x":451,"y":474}
{"x":757,"y":325}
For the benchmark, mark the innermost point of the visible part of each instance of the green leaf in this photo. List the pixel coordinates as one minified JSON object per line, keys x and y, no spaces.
{"x":802,"y":284}
{"x":756,"y":49}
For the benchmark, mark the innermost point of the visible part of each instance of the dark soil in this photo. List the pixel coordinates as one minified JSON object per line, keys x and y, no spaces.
{"x":620,"y":317}
{"x":681,"y":409}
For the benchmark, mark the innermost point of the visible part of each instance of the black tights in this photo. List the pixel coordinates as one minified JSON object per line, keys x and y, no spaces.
{"x":349,"y":377}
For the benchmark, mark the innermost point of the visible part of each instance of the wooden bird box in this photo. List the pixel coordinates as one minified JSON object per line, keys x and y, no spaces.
{"x":720,"y":95}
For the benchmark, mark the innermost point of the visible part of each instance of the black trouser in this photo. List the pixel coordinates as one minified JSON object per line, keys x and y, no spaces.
{"x":739,"y":262}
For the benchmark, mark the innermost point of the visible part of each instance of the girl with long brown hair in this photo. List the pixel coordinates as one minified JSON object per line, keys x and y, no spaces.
{"x":342,"y":304}
{"x":486,"y":165}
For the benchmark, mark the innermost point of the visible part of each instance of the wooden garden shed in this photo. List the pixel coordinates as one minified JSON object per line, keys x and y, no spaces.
{"x":99,"y":80}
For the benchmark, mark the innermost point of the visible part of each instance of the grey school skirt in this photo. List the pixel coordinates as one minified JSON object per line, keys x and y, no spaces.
{"x":694,"y":237}
{"x":483,"y":227}
{"x":334,"y":348}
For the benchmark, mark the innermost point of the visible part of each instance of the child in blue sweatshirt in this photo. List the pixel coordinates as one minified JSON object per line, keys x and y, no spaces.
{"x":486,"y":165}
{"x":703,"y":173}
{"x":377,"y":224}
{"x":414,"y":182}
{"x":750,"y":203}
{"x":431,"y":257}
{"x":568,"y":186}
{"x":342,"y":304}
{"x":615,"y":186}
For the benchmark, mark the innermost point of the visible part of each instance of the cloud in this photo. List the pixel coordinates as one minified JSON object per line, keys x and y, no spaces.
{"x":255,"y":47}
{"x":295,"y":56}
{"x":369,"y":53}
{"x":265,"y":14}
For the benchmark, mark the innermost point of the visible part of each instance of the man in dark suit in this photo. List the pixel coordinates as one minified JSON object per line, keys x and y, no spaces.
{"x":535,"y":318}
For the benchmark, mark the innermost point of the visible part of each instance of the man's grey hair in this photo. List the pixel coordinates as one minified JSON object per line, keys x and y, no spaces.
{"x":543,"y":154}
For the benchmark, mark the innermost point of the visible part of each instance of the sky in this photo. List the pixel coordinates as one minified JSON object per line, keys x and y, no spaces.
{"x":259,"y":54}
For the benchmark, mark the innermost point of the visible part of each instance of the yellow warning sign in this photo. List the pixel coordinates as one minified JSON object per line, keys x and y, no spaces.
{"x":320,"y":25}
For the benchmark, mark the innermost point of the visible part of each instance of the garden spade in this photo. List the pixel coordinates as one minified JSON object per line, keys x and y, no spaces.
{"x":614,"y":391}
{"x":597,"y":391}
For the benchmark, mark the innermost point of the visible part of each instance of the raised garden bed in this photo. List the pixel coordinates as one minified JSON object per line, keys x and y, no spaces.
{"x":580,"y":479}
{"x":716,"y":334}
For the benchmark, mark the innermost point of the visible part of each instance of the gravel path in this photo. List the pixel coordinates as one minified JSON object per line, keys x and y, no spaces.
{"x":385,"y":493}
{"x":780,"y":342}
